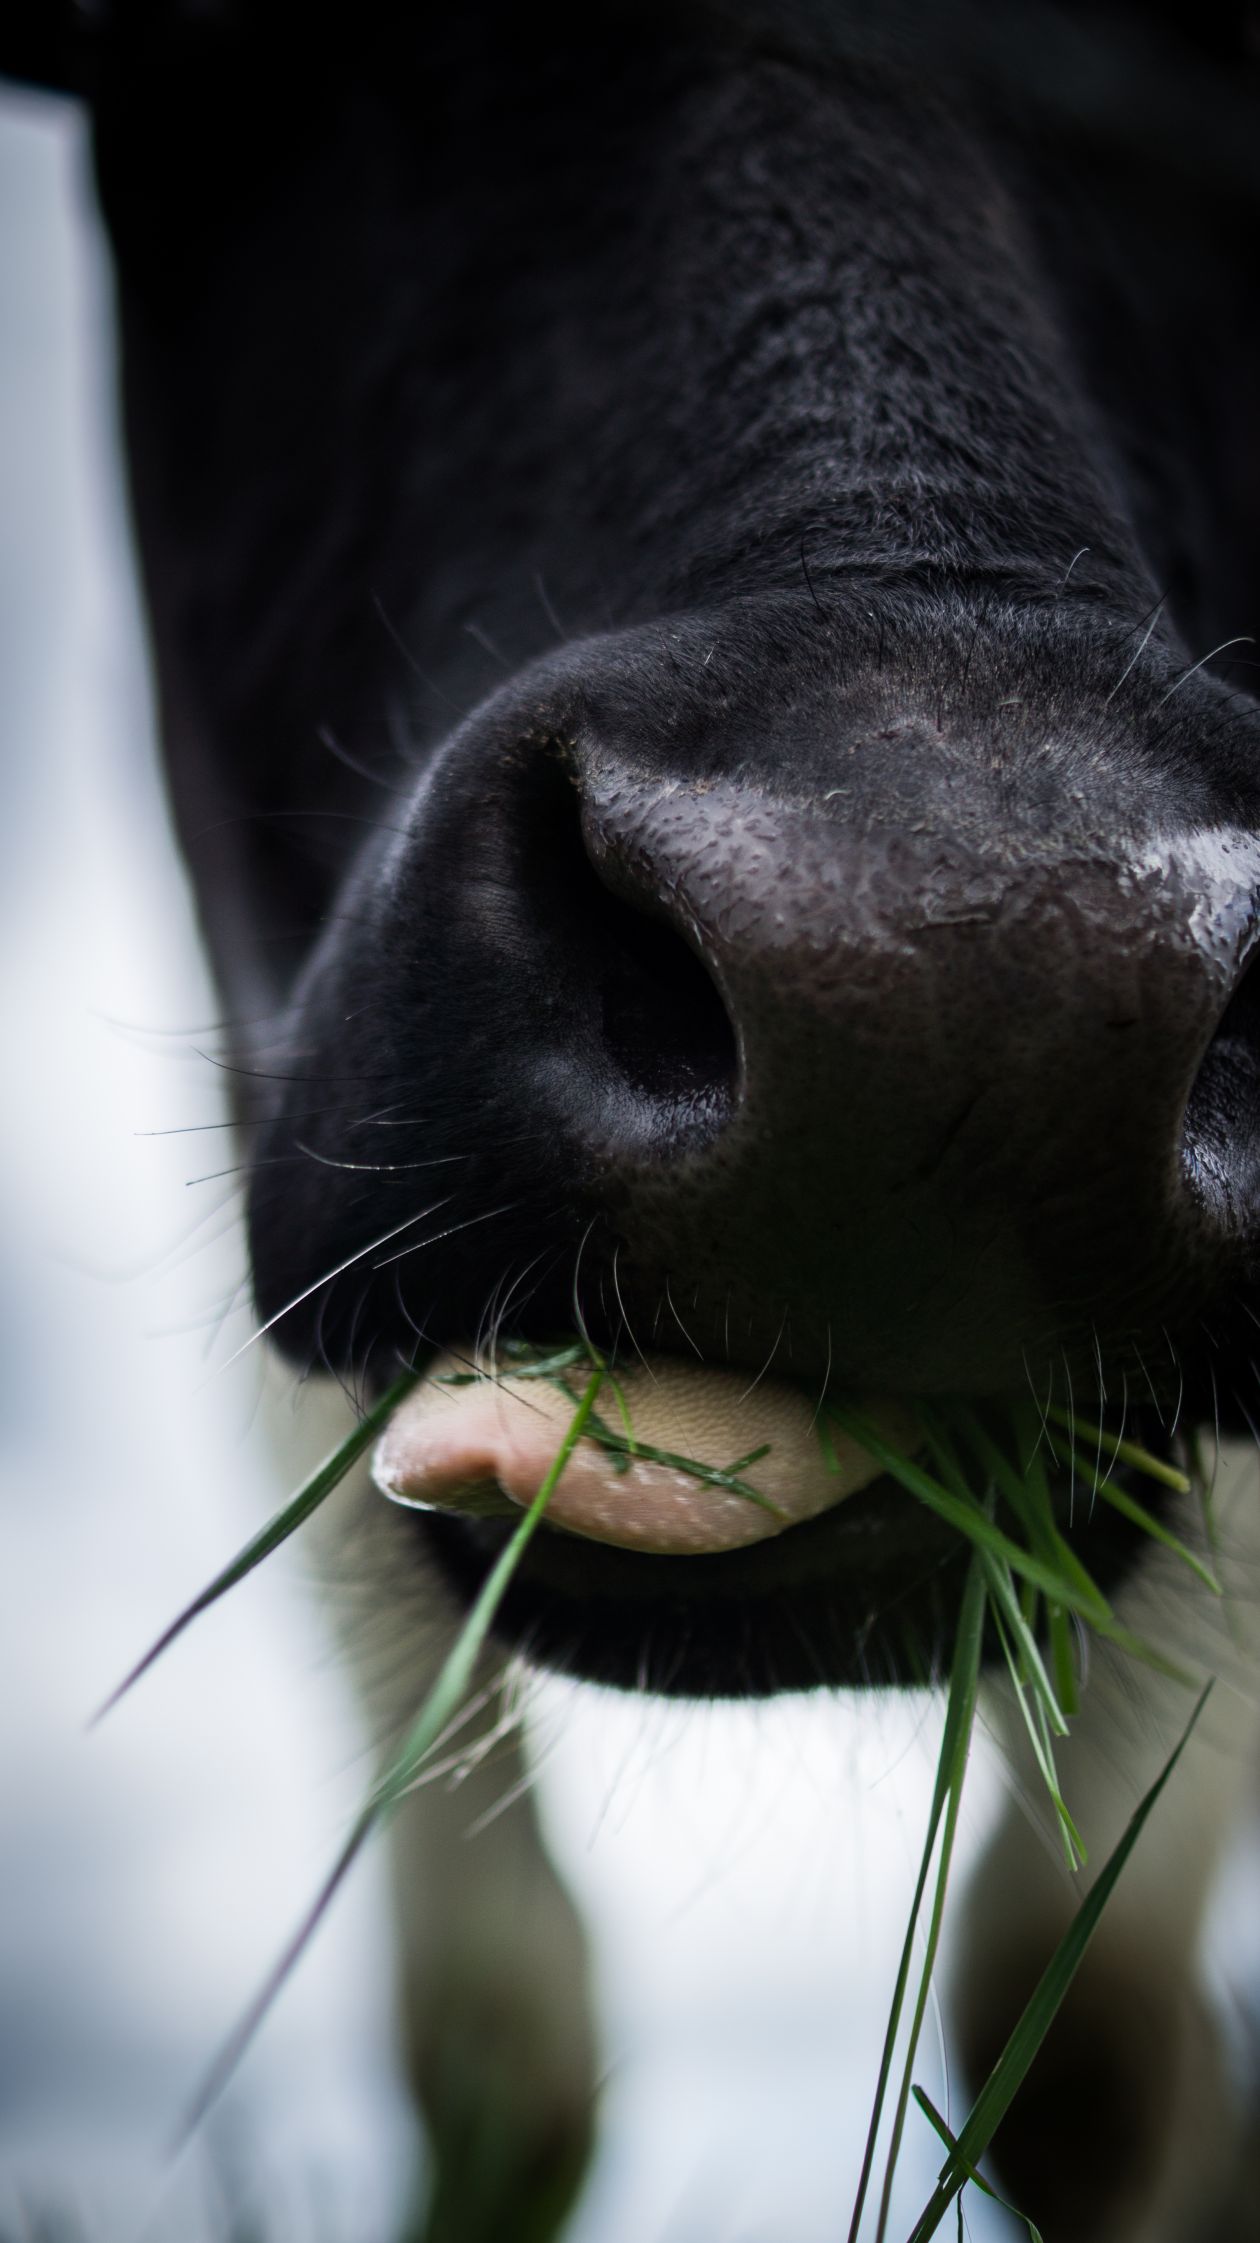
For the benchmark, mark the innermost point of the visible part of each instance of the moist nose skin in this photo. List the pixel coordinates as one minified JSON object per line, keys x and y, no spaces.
{"x":487,"y":1444}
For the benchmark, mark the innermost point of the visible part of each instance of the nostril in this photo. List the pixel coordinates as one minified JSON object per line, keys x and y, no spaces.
{"x":639,"y":1000}
{"x":664,"y":1024}
{"x":1236,"y":1043}
{"x":1221,"y":1134}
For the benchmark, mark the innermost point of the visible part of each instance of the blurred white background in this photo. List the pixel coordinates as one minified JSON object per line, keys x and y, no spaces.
{"x":746,"y":1870}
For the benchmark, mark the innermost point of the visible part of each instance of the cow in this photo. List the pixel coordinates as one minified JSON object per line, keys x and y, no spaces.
{"x":700,"y":564}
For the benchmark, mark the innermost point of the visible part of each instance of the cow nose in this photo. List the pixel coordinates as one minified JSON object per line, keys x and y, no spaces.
{"x":947,"y":1100}
{"x":635,"y":1049}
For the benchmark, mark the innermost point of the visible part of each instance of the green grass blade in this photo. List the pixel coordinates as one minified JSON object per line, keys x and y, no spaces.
{"x":1129,"y":1508}
{"x":1063,"y":1663}
{"x":452,"y":1683}
{"x":1030,"y":1665}
{"x":1124,"y":1452}
{"x":598,"y":1429}
{"x":741,"y":1463}
{"x":967,"y":1518}
{"x":623,"y":1413}
{"x":939,"y":2126}
{"x":442,"y":1702}
{"x":1039,"y":1738}
{"x":1008,"y":2074}
{"x":955,"y":1742}
{"x":712,"y":1475}
{"x":524,"y":1362}
{"x":277,"y":1530}
{"x":1027,"y":1492}
{"x":1020,"y":1610}
{"x":955,"y":1751}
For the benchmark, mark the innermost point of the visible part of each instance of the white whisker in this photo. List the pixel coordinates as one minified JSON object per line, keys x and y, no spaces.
{"x":438,"y":1236}
{"x":329,"y":1275}
{"x":374,"y":1167}
{"x":1134,"y":659}
{"x":1244,"y":638}
{"x":769,"y":1359}
{"x":822,"y":1391}
{"x":681,"y":1326}
{"x":629,"y":1328}
{"x":578,"y":1318}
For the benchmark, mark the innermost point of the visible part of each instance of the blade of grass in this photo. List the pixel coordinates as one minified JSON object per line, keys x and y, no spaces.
{"x":1029,"y":1663}
{"x":1029,"y":1431}
{"x":1129,"y":1508}
{"x":1124,"y":1452}
{"x":625,"y":1448}
{"x":934,"y":2119}
{"x":407,"y":1765}
{"x":955,"y":1741}
{"x":742,"y":1463}
{"x":955,"y":1751}
{"x":1063,"y":1659}
{"x":713,"y":1475}
{"x":526,"y":1362}
{"x":285,"y":1522}
{"x":1020,"y":1608}
{"x":623,"y":1412}
{"x":598,"y":1429}
{"x":1034,"y":1719}
{"x":1008,"y":2074}
{"x":967,"y":1518}
{"x":1028,"y":1494}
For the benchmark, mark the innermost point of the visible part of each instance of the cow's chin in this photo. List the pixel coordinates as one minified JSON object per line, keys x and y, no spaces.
{"x":862,"y":1591}
{"x":867,"y":1594}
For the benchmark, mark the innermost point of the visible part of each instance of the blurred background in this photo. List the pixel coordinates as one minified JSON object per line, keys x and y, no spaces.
{"x":746,"y":1871}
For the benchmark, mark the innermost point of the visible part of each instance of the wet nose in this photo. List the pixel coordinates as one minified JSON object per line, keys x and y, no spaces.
{"x":946,"y":1101}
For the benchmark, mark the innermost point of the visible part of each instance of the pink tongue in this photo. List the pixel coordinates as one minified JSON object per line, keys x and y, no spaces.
{"x":488,"y":1446}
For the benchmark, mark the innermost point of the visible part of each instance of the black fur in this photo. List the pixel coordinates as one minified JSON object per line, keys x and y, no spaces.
{"x":678,"y":547}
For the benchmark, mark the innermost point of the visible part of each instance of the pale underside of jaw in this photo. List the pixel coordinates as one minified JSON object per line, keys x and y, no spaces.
{"x":485,"y":1446}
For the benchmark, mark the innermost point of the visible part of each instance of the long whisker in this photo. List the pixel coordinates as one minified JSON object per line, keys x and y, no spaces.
{"x":329,"y":1275}
{"x":230,"y":1121}
{"x":769,"y":1359}
{"x":1181,"y":1382}
{"x":682,"y":1327}
{"x":1071,"y":1411}
{"x":438,"y":1236}
{"x":578,"y":1318}
{"x":1044,"y":1434}
{"x":1244,"y":638}
{"x":1099,"y":1473}
{"x":822,"y":1391}
{"x":1135,"y":658}
{"x":376,"y":1167}
{"x":629,"y":1328}
{"x":500,"y":1315}
{"x":1141,"y":1363}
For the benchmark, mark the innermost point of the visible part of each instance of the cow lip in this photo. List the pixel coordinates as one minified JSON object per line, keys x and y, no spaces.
{"x":868,"y":1593}
{"x":815,"y":1605}
{"x":659,"y":1478}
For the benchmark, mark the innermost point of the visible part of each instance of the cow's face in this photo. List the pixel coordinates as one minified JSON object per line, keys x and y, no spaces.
{"x":670,"y":572}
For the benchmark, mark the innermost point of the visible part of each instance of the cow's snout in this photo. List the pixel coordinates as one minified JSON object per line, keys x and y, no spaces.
{"x":895,"y":1052}
{"x":954,"y":1100}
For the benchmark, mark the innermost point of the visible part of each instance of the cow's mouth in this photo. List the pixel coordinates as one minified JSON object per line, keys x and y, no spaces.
{"x":705,"y":1541}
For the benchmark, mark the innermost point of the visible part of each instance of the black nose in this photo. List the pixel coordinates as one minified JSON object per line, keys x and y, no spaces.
{"x":646,"y":1056}
{"x":951,"y":1093}
{"x":895,"y":1056}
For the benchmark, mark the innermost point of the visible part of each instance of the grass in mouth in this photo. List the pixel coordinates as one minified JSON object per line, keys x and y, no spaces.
{"x":1025,"y":1586}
